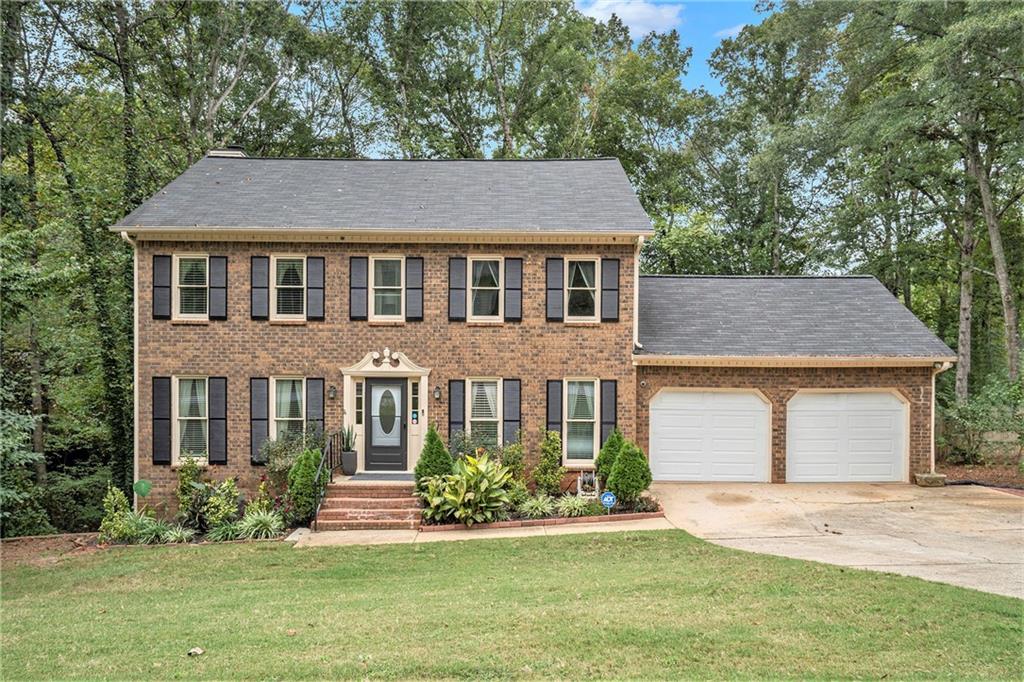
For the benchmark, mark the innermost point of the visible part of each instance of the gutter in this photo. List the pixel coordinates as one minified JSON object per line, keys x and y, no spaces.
{"x":644,"y":359}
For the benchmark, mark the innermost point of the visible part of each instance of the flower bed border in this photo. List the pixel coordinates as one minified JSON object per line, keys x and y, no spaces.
{"x":556,"y":521}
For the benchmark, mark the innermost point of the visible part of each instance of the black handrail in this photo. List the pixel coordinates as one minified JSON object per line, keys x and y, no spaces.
{"x":329,"y":462}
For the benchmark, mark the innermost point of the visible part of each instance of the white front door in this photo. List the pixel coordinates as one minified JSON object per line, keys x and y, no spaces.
{"x":709,"y":436}
{"x":846,"y":437}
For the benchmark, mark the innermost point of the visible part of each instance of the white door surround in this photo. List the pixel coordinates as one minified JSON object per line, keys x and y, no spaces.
{"x":710,"y":435}
{"x":393,"y":365}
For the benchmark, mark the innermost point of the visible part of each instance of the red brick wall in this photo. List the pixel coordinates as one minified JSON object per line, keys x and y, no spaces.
{"x":239,"y":348}
{"x":779,"y":384}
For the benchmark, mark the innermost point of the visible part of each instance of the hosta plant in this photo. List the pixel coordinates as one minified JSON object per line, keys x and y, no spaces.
{"x":475,"y":492}
{"x":179,"y":534}
{"x":539,"y":507}
{"x":261,"y":525}
{"x":572,"y":505}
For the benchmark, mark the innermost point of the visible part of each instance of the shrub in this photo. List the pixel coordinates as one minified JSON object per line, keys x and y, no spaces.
{"x":513,"y":456}
{"x":179,"y":534}
{"x":539,"y":507}
{"x":222,"y":504}
{"x":435,"y":460}
{"x":224,"y":532}
{"x":595,"y":508}
{"x":646,"y":504}
{"x":549,"y":472}
{"x":998,"y":407}
{"x":606,"y":457}
{"x":517,"y":493}
{"x":461,"y":444}
{"x":280,"y":455}
{"x":73,"y":500}
{"x":631,"y":474}
{"x":261,"y":525}
{"x":263,"y":501}
{"x":188,"y":473}
{"x":302,"y":488}
{"x":572,"y":505}
{"x":473,"y":493}
{"x":119,"y":523}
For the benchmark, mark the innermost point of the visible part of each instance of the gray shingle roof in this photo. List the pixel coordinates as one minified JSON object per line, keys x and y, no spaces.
{"x":592,"y":195}
{"x":779,"y":316}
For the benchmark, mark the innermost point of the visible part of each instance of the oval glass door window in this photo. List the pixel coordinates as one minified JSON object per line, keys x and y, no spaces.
{"x":386,"y":415}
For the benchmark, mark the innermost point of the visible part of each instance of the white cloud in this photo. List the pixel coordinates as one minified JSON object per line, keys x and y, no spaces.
{"x":730,"y":32}
{"x":641,"y":16}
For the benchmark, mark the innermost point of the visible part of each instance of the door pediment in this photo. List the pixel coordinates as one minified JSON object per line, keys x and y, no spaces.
{"x":385,"y":363}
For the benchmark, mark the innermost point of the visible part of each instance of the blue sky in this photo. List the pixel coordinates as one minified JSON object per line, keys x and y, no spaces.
{"x":701,"y":25}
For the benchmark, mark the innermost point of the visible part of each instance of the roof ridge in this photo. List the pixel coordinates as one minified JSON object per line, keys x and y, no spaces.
{"x":345,"y":158}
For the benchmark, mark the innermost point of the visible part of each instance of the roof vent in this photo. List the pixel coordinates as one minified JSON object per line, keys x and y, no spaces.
{"x":231,"y":151}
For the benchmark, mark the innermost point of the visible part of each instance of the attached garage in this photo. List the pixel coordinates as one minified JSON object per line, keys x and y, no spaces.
{"x":709,"y":436}
{"x":846,"y":436}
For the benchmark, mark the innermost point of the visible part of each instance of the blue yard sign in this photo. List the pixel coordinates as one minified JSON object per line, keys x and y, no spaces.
{"x":608,"y":499}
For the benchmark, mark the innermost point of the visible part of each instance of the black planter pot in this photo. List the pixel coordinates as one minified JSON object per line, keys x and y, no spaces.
{"x":348,"y":462}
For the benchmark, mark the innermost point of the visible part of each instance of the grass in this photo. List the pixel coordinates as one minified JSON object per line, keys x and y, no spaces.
{"x":638,"y":605}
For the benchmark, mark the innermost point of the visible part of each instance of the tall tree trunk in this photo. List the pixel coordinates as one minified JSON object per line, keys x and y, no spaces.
{"x":963,"y":344}
{"x":1011,"y":323}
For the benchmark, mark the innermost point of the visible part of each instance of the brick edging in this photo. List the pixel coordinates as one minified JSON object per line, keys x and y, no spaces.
{"x":560,"y":521}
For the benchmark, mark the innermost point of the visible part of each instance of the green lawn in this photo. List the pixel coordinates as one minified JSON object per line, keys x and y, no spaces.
{"x":650,"y":605}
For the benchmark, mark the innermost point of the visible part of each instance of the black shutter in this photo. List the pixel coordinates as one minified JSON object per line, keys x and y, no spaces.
{"x":609,"y":407}
{"x":314,"y":288}
{"x":259,"y":426}
{"x":161,"y":420}
{"x":218,"y":292}
{"x":161,"y":287}
{"x":414,"y":289}
{"x":511,"y":421}
{"x":609,"y":289}
{"x":358,"y":267}
{"x":456,"y":407}
{"x":259,"y":267}
{"x":555,"y":274}
{"x":315,"y":403}
{"x":513,"y":289}
{"x":555,"y":406}
{"x":457,"y":289}
{"x":218,"y":419}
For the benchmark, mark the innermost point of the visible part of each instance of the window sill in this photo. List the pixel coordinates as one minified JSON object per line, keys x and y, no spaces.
{"x":386,"y":323}
{"x":178,"y":465}
{"x":578,"y":465}
{"x":485,"y":323}
{"x":201,"y":323}
{"x":288,"y":323}
{"x":582,"y":323}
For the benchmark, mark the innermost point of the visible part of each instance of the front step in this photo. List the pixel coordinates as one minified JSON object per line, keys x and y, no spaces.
{"x":369,"y":514}
{"x":370,"y":503}
{"x":369,"y":506}
{"x":352,"y":490}
{"x":367,"y":525}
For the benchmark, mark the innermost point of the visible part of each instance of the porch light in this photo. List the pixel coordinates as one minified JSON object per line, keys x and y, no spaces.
{"x":437,"y":392}
{"x":332,"y":392}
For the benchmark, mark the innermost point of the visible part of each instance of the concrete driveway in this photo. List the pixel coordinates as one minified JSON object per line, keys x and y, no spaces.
{"x":961,"y":535}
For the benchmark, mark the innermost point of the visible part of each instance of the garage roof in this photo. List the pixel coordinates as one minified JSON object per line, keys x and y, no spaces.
{"x":532,"y":196}
{"x":828,"y":317}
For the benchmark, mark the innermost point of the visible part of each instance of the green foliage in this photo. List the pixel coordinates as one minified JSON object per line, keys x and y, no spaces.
{"x":998,"y":408}
{"x":189,"y":472}
{"x":221,"y":504}
{"x":606,"y":457}
{"x":549,"y":472}
{"x":302,"y":488}
{"x":261,"y":525}
{"x":513,"y":456}
{"x":461,"y":444}
{"x":151,"y":531}
{"x":573,"y":505}
{"x":280,"y":455}
{"x":475,"y":492}
{"x":434,"y":459}
{"x":225,"y":532}
{"x":179,"y":534}
{"x":74,"y":499}
{"x":646,"y":504}
{"x":119,"y":523}
{"x":206,"y":504}
{"x":348,"y":439}
{"x":263,"y":502}
{"x":631,"y":475}
{"x":517,"y":493}
{"x":539,"y":507}
{"x":21,"y":512}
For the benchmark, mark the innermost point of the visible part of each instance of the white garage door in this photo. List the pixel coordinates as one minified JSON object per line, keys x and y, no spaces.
{"x":697,"y":436}
{"x":845,"y":437}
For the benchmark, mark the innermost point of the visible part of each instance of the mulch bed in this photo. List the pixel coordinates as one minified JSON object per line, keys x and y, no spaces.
{"x":999,"y":475}
{"x":46,"y":550}
{"x":557,"y":521}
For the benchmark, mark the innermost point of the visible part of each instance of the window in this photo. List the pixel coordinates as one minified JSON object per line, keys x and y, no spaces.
{"x":386,"y":284}
{"x":289,"y":406}
{"x":581,"y":290}
{"x":190,"y":414}
{"x":190,"y":283}
{"x":414,"y":395}
{"x":580,"y":421}
{"x":359,"y":402}
{"x":288,"y":299}
{"x":485,"y":282}
{"x":484,"y":410}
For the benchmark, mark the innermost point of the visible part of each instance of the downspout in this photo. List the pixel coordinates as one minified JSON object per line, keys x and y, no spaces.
{"x":135,"y":365}
{"x":938,"y":369}
{"x":636,"y":293}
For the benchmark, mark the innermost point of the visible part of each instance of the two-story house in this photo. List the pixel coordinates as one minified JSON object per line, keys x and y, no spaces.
{"x":496,"y":297}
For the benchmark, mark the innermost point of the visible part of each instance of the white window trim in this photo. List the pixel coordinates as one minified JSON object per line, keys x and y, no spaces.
{"x":580,"y":463}
{"x":371,"y":303}
{"x":470,"y":317}
{"x":273,"y":286}
{"x":175,"y":418}
{"x":273,"y":404}
{"x":359,"y":402}
{"x":596,"y":260}
{"x":176,"y":313}
{"x":499,"y":410}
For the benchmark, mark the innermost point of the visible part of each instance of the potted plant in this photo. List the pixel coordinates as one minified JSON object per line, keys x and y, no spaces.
{"x":348,"y":451}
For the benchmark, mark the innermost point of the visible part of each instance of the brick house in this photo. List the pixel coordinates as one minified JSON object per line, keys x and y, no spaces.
{"x":497,"y":297}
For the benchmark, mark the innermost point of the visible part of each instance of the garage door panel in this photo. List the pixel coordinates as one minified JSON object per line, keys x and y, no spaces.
{"x":709,"y":436}
{"x":857,"y":436}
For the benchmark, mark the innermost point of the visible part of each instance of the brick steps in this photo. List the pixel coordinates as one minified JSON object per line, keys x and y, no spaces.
{"x":349,"y":506}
